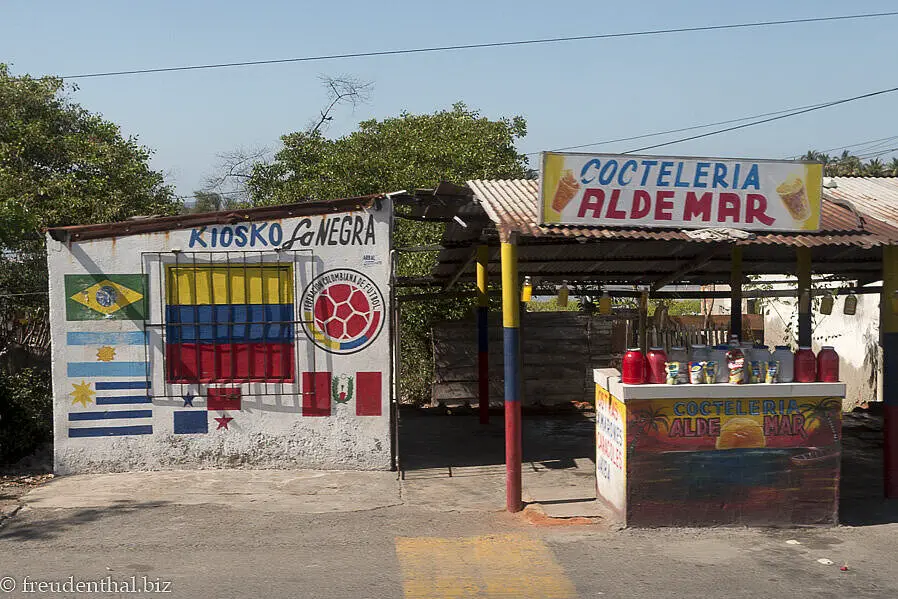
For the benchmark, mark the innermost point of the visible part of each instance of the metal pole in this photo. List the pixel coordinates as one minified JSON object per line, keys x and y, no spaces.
{"x":642,"y":326}
{"x":804,"y":296}
{"x":888,"y":311}
{"x":483,"y":364}
{"x":736,"y":291}
{"x":512,"y":345}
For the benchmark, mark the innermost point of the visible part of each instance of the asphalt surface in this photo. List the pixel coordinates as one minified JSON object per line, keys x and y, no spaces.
{"x":216,"y":551}
{"x":435,"y":530}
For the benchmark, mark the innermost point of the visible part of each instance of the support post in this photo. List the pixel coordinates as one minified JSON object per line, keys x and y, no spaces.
{"x":642,"y":332}
{"x":803,"y":267}
{"x":511,"y":297}
{"x":483,"y":304}
{"x":889,"y":326}
{"x":736,"y":291}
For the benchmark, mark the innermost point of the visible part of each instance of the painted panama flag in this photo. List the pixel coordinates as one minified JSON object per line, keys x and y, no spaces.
{"x":105,"y":297}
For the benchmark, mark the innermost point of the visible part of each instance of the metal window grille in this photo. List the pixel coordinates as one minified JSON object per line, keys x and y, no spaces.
{"x":229,"y":317}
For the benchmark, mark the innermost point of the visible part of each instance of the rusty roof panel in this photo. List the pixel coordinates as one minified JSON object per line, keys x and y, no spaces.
{"x":849,"y":216}
{"x":187,"y":221}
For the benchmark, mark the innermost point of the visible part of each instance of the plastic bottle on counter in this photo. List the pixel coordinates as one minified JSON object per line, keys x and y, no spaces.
{"x":634,"y":367}
{"x":828,"y":365}
{"x":784,"y":356}
{"x":700,"y":353}
{"x":805,"y":365}
{"x":679,"y":354}
{"x":719,"y":355}
{"x":735,"y":364}
{"x":656,"y":357}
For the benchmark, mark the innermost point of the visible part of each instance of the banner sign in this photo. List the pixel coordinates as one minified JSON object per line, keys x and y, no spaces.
{"x":684,"y":193}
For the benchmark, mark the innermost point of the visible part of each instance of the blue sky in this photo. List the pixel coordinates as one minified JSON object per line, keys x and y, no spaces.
{"x":570,"y":93}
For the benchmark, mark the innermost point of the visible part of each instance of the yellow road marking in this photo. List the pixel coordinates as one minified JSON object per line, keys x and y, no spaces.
{"x":489,"y":566}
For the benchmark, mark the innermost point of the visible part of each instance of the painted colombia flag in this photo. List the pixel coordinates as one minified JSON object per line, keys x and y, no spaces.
{"x":104,"y":297}
{"x":229,"y":323}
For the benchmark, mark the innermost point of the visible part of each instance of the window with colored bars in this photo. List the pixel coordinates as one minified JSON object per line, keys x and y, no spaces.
{"x":229,"y":322}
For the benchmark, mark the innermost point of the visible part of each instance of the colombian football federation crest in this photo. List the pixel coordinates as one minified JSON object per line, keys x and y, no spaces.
{"x":343,"y":311}
{"x":101,"y":297}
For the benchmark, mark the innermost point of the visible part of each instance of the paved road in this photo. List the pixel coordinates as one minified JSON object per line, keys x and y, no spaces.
{"x":249,"y":534}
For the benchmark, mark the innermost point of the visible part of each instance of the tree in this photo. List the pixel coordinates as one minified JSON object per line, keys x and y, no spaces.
{"x":235,"y":168}
{"x":405,"y":152}
{"x":207,"y":201}
{"x":61,"y":165}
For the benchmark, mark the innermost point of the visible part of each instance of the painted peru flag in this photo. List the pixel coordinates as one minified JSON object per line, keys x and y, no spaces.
{"x":229,"y":323}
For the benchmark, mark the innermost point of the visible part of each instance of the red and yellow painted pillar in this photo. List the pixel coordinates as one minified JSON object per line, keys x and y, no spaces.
{"x":803,"y":267}
{"x":483,"y":304}
{"x":889,"y":327}
{"x":511,"y":297}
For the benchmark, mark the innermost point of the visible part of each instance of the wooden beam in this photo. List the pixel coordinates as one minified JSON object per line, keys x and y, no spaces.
{"x":460,"y":270}
{"x":696,"y":263}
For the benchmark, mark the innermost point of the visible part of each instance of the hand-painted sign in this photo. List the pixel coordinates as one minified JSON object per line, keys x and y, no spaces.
{"x":343,"y":311}
{"x":611,"y":457}
{"x":691,"y":193}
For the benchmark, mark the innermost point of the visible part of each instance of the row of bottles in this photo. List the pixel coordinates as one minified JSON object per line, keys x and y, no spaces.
{"x":801,"y":367}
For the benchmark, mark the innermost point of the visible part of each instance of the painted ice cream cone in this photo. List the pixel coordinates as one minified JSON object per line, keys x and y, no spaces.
{"x":795,"y":197}
{"x":565,"y":192}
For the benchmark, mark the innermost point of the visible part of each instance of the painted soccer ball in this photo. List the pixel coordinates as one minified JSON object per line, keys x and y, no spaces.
{"x":343,"y":312}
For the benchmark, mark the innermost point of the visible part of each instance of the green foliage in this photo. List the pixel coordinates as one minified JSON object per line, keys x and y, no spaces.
{"x":62,"y":165}
{"x":847,"y":165}
{"x":551,"y":305}
{"x":26,"y":413}
{"x":207,"y":201}
{"x":407,"y":152}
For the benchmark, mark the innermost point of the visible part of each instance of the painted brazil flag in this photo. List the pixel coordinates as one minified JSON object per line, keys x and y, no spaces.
{"x":105,"y":297}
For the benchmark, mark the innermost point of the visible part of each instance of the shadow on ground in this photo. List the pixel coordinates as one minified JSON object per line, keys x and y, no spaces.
{"x":50,"y":526}
{"x":429,"y":439}
{"x":862,"y":502}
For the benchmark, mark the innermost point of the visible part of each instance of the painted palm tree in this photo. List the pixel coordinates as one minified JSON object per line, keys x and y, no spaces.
{"x":644,"y":421}
{"x":821,"y":412}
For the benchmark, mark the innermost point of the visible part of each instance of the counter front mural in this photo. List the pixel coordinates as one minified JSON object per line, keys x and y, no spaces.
{"x":734,"y":460}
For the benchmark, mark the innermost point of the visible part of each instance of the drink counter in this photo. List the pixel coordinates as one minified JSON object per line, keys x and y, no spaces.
{"x":719,"y":454}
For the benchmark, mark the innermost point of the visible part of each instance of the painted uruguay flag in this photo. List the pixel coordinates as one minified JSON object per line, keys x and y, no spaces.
{"x":229,"y":323}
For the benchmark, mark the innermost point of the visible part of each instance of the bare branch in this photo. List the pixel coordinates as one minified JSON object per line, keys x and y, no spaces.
{"x":341,"y":90}
{"x":232,"y":171}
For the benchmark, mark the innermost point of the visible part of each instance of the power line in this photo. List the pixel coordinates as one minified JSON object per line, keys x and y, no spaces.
{"x":552,"y":40}
{"x":860,"y":143}
{"x":680,"y":130}
{"x":767,"y":120}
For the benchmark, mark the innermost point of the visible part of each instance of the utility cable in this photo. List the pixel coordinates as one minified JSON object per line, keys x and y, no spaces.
{"x":551,"y":40}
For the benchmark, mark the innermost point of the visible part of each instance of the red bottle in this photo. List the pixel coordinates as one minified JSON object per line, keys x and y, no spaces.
{"x":805,"y":366}
{"x":634,"y":367}
{"x":828,"y":365}
{"x":656,"y":358}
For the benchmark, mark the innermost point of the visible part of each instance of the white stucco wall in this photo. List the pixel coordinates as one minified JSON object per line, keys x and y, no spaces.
{"x":116,"y":406}
{"x":853,"y":337}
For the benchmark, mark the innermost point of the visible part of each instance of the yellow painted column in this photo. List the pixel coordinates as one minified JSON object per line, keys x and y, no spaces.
{"x":511,"y":297}
{"x":483,"y":305}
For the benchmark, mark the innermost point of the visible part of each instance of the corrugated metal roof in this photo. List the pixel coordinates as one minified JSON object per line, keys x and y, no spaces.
{"x":512,"y":205}
{"x":186,"y":221}
{"x":875,"y":196}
